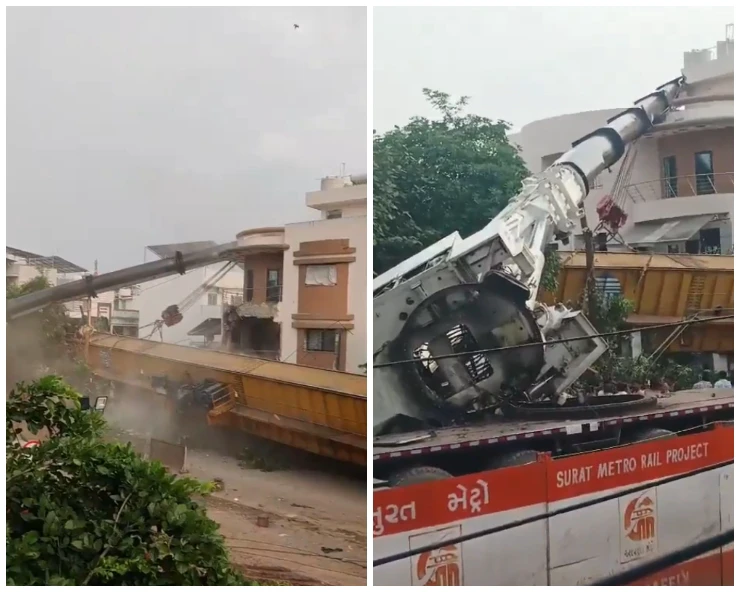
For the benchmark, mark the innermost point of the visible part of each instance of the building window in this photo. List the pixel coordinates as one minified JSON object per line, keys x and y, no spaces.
{"x":670,"y":177}
{"x":324,"y":340}
{"x":212,"y":298}
{"x":709,"y":241}
{"x":333,"y":214}
{"x":273,"y":285}
{"x":321,"y":275}
{"x":704,"y":168}
{"x":249,"y":285}
{"x":608,"y":286}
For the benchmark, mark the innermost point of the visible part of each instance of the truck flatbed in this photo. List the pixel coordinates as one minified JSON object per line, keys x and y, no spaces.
{"x":508,"y":430}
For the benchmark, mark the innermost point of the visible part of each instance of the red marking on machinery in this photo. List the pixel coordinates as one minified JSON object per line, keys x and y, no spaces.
{"x":610,"y":213}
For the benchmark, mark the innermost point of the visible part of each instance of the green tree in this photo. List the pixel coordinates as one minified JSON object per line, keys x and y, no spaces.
{"x":435,"y":176}
{"x":609,"y":314}
{"x":81,"y":511}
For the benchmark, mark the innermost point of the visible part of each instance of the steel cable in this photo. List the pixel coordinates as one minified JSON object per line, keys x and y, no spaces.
{"x":555,"y":341}
{"x":658,"y":564}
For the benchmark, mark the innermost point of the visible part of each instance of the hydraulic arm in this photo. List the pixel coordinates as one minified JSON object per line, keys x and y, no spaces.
{"x":464,"y":295}
{"x":92,"y":285}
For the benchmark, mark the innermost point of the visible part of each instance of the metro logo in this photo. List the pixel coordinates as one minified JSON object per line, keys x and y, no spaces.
{"x":440,"y":567}
{"x":639,"y":525}
{"x":639,"y":519}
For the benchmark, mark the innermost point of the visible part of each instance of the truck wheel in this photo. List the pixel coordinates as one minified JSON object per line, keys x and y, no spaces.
{"x":511,"y":459}
{"x":414,"y":475}
{"x":645,"y":434}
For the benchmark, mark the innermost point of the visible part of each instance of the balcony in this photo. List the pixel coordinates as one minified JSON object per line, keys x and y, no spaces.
{"x":252,"y":309}
{"x":125,"y":318}
{"x":261,"y":310}
{"x":677,"y":197}
{"x":262,"y":240}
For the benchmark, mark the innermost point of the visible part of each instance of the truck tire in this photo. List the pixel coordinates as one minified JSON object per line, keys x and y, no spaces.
{"x":644,"y":434}
{"x":511,"y":459}
{"x":415,"y":475}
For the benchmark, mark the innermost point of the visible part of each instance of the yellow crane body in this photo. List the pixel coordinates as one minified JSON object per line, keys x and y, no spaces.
{"x":316,"y":410}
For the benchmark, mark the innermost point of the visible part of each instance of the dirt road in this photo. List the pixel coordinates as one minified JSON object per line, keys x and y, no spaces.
{"x":316,"y":521}
{"x":315,"y":510}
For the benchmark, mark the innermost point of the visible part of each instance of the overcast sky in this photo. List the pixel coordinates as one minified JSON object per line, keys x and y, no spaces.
{"x":128,"y":127}
{"x":525,"y":64}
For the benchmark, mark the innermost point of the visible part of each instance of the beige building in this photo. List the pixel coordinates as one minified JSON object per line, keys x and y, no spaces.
{"x":304,"y":296}
{"x":676,"y":184}
{"x":115,"y":311}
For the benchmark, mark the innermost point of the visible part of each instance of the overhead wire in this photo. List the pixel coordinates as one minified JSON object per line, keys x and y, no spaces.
{"x":555,"y":341}
{"x":653,"y":566}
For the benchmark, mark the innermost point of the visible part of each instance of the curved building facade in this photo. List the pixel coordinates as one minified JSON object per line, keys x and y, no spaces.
{"x":676,"y":184}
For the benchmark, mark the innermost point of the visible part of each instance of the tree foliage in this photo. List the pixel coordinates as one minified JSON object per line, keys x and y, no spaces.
{"x":81,"y":511}
{"x":436,"y":176}
{"x":609,"y":314}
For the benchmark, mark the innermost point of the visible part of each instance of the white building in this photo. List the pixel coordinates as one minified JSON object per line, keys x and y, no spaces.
{"x":676,"y":183}
{"x":203,"y":310}
{"x":118,"y":307}
{"x":305,"y":284}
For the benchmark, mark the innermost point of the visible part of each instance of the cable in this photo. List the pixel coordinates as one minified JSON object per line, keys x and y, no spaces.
{"x":668,"y":560}
{"x":555,"y":341}
{"x":546,"y":515}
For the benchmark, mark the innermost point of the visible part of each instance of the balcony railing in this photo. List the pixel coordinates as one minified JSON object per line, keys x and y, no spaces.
{"x":686,"y":186}
{"x":125,"y":317}
{"x":231,"y":297}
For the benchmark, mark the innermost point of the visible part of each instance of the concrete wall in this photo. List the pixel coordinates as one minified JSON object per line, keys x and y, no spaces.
{"x":707,"y":100}
{"x":720,"y":142}
{"x":352,"y":228}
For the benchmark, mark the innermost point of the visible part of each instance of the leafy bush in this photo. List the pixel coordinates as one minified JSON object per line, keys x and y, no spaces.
{"x":81,"y":511}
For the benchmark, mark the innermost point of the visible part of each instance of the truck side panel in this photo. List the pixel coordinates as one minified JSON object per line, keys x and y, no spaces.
{"x":578,"y":547}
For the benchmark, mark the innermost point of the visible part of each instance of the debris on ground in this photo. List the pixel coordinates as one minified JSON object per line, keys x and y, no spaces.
{"x":328,"y":550}
{"x":263,"y":521}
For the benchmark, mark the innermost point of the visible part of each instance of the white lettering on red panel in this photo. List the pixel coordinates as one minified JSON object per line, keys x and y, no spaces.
{"x":632,"y":465}
{"x":392,"y":514}
{"x":471,"y":496}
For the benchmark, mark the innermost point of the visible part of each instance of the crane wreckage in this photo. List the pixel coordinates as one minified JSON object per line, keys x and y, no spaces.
{"x":442,"y":316}
{"x":313,"y":409}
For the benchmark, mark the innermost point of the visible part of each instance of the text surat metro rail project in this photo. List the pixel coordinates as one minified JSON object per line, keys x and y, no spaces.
{"x":480,"y":425}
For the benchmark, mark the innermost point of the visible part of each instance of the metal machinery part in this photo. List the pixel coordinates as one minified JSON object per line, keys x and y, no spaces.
{"x":478,"y":293}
